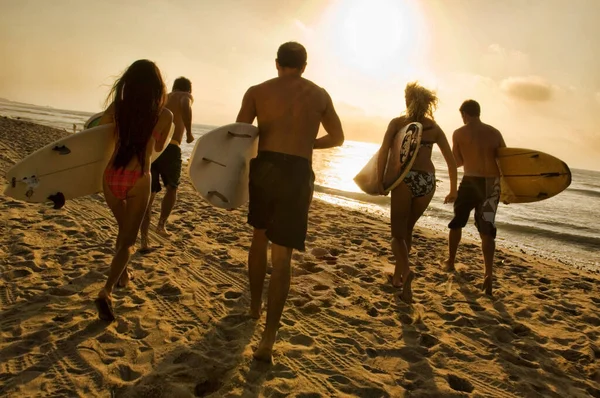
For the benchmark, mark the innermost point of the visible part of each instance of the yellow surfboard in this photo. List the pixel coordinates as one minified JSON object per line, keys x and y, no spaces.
{"x":530,"y":176}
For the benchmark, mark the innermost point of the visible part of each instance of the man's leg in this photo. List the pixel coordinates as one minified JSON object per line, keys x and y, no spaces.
{"x":488,"y":247}
{"x":279,"y":286}
{"x":453,"y":240}
{"x":146,"y":224}
{"x":166,"y":207}
{"x":257,"y":269}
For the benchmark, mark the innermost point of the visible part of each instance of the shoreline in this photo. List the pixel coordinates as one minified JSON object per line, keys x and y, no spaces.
{"x":181,"y":329}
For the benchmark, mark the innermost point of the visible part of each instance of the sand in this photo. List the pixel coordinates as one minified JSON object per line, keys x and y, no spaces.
{"x":182,"y":330}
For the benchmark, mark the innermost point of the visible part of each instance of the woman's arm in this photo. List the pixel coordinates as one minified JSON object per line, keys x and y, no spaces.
{"x":383,"y":151}
{"x":108,"y":116}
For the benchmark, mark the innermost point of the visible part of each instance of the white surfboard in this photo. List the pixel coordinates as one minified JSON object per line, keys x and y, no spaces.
{"x":219,"y":165}
{"x":66,"y":169}
{"x":401,"y":157}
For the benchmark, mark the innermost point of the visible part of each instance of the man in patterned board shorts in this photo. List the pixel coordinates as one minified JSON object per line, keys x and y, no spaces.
{"x":474,"y":147}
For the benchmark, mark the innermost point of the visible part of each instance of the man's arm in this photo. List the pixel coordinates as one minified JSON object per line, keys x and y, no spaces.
{"x":186,"y":115}
{"x":333,"y":127}
{"x":456,"y":150}
{"x":248,"y":110}
{"x":502,"y":143}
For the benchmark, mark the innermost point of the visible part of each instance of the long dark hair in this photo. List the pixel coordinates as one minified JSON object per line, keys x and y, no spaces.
{"x":139,"y":96}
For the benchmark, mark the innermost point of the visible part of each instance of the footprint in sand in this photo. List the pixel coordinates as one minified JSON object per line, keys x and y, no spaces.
{"x":460,"y":384}
{"x":302,"y":340}
{"x":343,"y":291}
{"x":232,"y":295}
{"x":127,"y":373}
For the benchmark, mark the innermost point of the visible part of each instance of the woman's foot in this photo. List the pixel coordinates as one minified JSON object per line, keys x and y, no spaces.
{"x":126,"y":276}
{"x":396,"y":282}
{"x":264,"y":351}
{"x":406,"y":294}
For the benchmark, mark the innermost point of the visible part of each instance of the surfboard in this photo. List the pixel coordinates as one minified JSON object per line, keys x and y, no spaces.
{"x":93,"y":120}
{"x":220,"y":164}
{"x":528,"y":175}
{"x":65,"y":169}
{"x":400,"y":159}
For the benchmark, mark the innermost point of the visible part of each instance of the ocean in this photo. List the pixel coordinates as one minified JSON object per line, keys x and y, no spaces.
{"x":563,"y":228}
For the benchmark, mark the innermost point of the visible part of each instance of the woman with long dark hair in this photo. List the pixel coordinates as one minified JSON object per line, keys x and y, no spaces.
{"x":412,"y":196}
{"x":142,"y":126}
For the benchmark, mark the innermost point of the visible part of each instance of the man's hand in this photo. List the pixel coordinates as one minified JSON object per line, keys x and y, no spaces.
{"x":451,"y":197}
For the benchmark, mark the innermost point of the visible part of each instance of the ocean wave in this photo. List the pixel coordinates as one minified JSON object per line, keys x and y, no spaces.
{"x":589,"y":242}
{"x":586,"y":192}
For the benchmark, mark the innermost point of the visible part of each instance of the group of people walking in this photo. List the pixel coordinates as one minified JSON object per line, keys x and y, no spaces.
{"x":290,"y":111}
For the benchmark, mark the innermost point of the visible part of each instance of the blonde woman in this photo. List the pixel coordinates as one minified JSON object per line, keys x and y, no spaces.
{"x":412,"y":196}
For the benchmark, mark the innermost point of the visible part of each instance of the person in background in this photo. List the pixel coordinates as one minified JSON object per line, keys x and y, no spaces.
{"x":475,"y":146}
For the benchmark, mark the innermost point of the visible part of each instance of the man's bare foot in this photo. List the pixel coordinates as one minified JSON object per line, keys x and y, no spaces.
{"x":394,"y":281}
{"x":145,"y":244}
{"x":264,"y":351}
{"x":447,"y":266}
{"x":487,"y":285}
{"x":406,"y":294}
{"x":162,"y":231}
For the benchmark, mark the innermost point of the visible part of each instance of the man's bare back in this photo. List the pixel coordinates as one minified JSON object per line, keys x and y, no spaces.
{"x":180,"y":103}
{"x":289,"y":110}
{"x":474,"y":147}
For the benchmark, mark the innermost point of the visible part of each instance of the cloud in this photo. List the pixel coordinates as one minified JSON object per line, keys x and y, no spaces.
{"x":529,"y":88}
{"x":498,"y":62}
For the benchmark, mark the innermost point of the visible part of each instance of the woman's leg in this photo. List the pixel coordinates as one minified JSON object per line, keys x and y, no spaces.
{"x":135,"y":208}
{"x":418,"y":207}
{"x":400,"y":214}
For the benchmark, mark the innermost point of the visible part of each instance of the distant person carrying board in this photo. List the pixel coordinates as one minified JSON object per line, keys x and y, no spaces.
{"x":168,"y":165}
{"x":474,"y":146}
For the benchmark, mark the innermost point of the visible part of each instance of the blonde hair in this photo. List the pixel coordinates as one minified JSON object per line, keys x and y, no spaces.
{"x":420,"y":102}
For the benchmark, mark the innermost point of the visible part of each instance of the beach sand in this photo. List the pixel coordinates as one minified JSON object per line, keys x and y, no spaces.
{"x":182,"y":330}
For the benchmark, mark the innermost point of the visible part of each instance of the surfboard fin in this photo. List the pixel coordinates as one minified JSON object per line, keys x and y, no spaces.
{"x":229,"y":133}
{"x":219,"y":195}
{"x":58,"y":199}
{"x":62,"y":150}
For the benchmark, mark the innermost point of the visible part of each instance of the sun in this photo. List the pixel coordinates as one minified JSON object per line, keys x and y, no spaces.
{"x":371,"y":33}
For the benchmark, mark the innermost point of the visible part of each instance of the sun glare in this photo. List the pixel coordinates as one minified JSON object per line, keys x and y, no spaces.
{"x":370,"y":34}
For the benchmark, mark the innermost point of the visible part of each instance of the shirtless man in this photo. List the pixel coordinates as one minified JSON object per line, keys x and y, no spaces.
{"x":168,"y":164}
{"x":474,"y":147}
{"x":289,"y":110}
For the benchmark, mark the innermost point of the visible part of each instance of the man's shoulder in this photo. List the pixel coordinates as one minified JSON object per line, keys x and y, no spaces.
{"x":460,"y":131}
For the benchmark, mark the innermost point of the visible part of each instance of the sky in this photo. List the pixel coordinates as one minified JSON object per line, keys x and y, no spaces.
{"x":534,"y":65}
